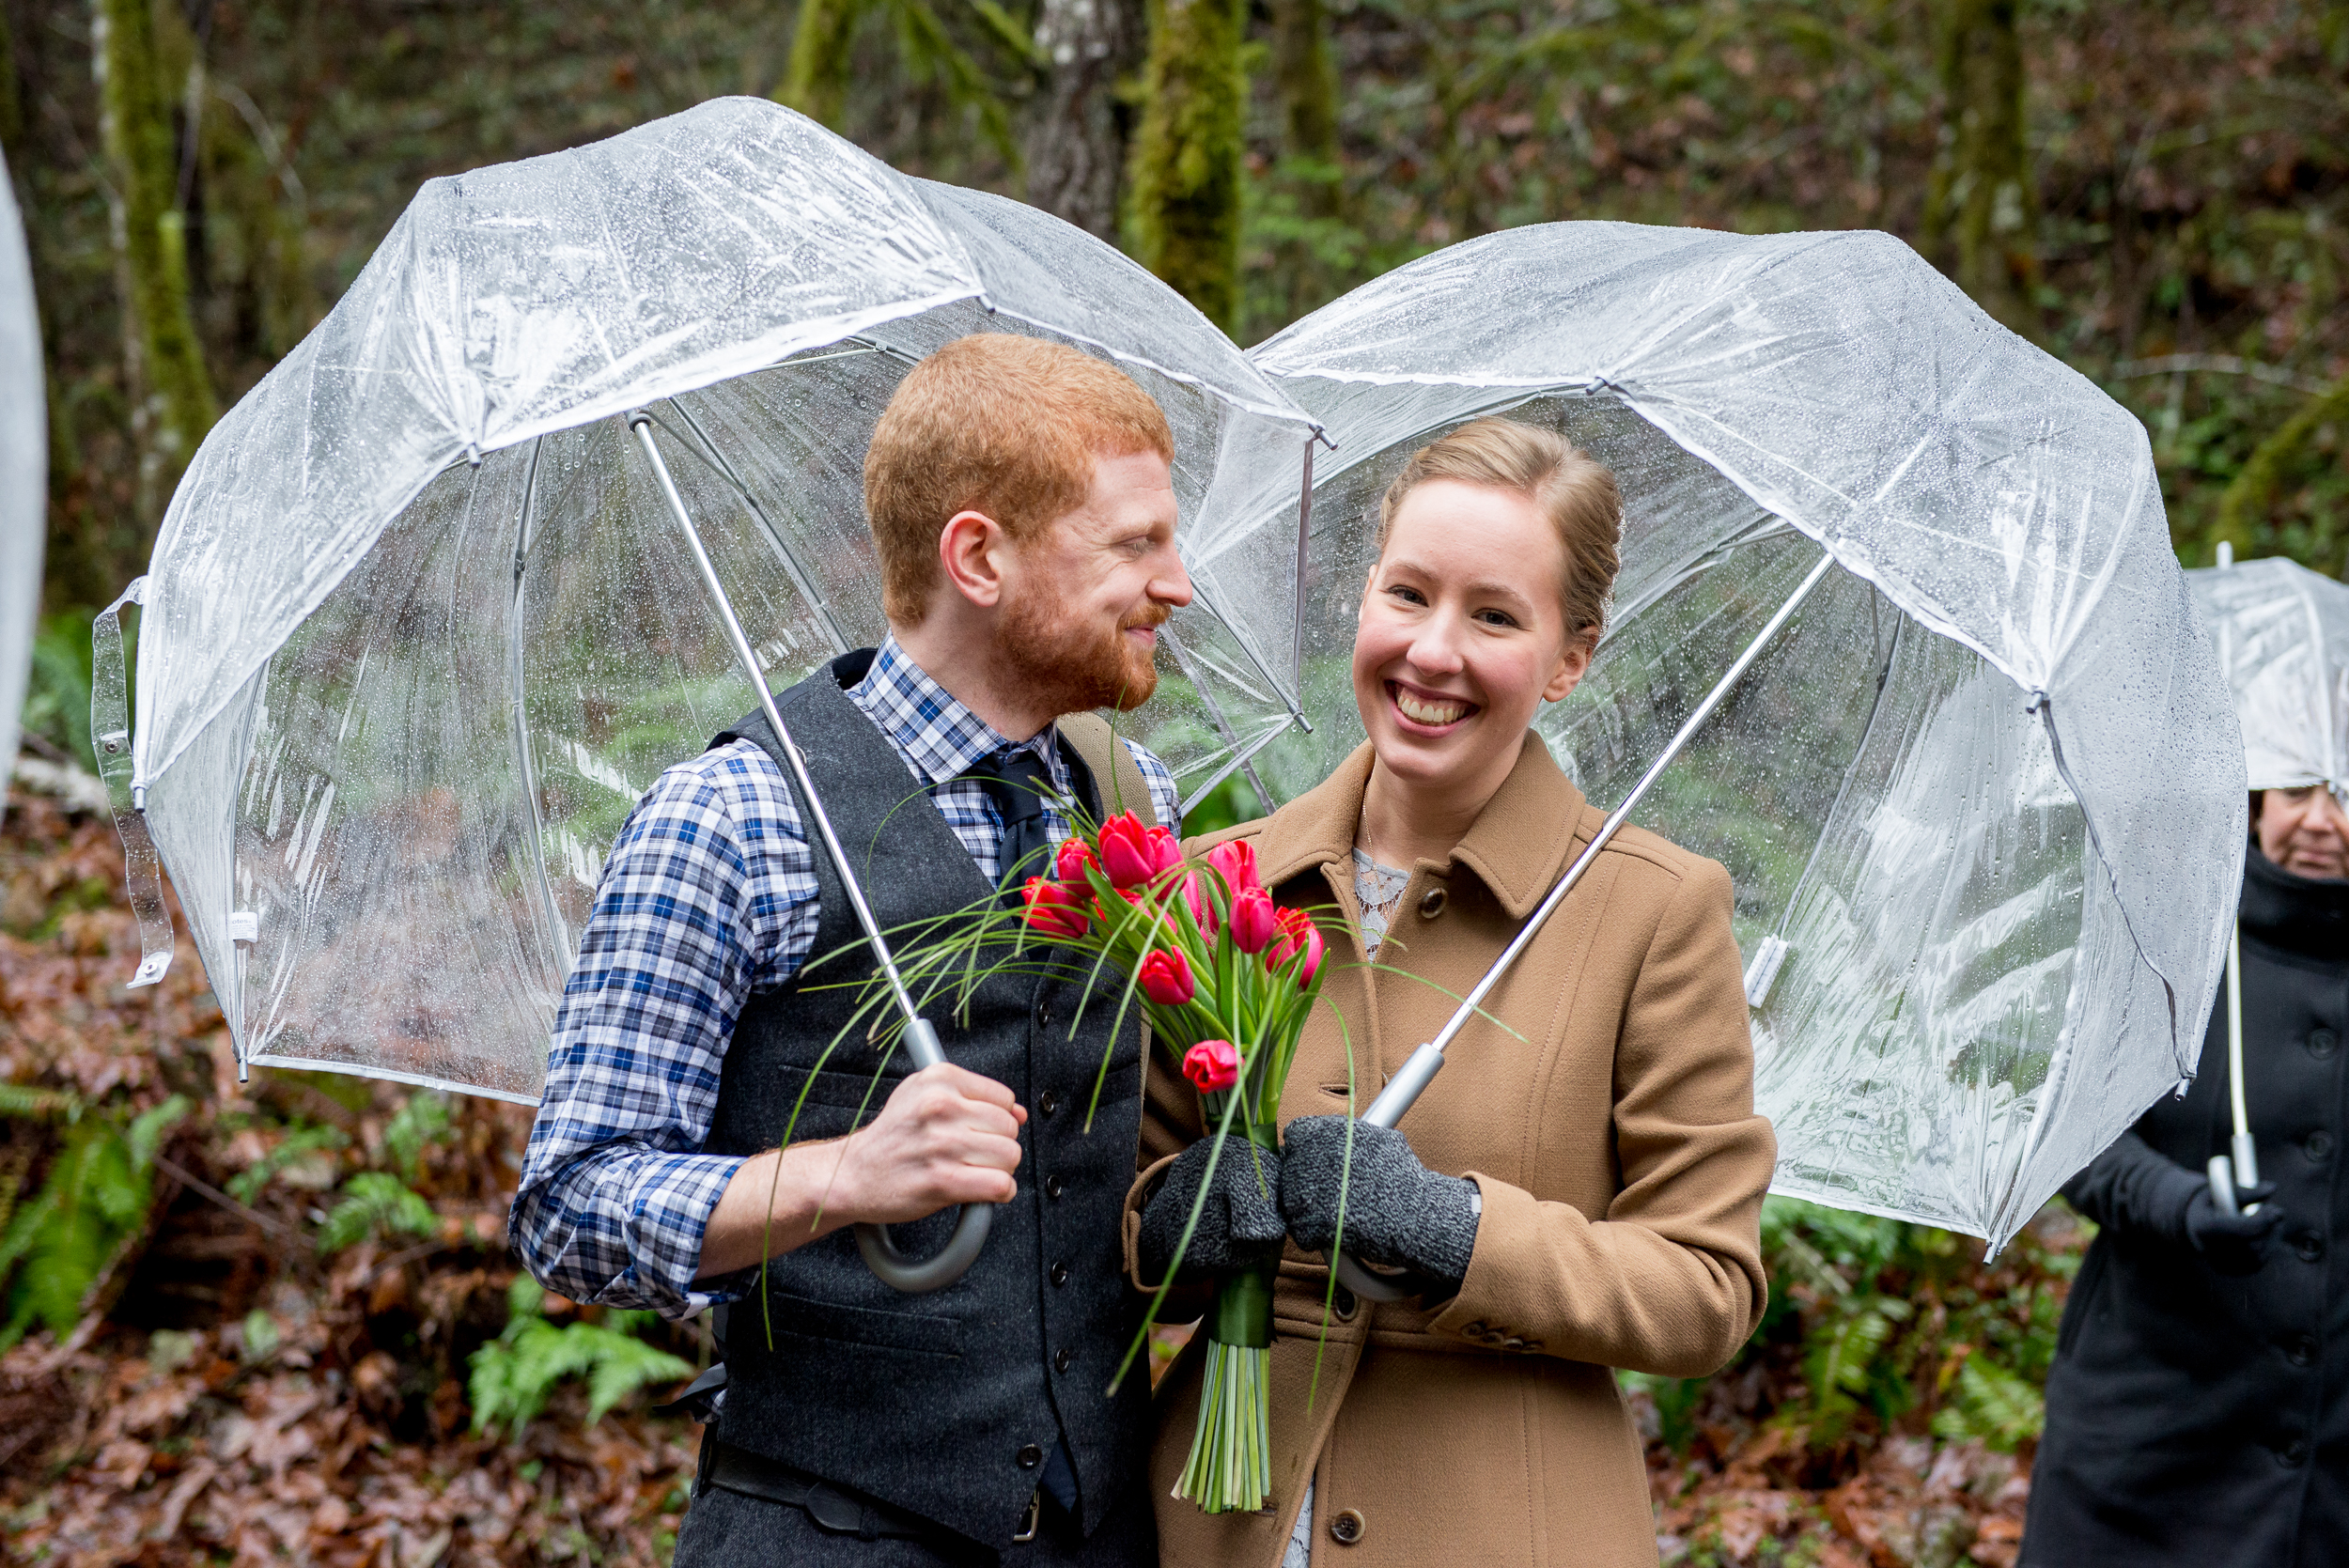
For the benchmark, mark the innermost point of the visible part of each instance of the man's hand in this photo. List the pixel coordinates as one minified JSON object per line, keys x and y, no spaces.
{"x":945,"y":1136}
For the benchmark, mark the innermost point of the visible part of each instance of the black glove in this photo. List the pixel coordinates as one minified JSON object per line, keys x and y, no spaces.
{"x":1240,"y":1223}
{"x":2234,"y":1243}
{"x":1398,"y":1213}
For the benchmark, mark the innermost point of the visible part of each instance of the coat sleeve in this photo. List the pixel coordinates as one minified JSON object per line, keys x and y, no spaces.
{"x":2134,"y":1189}
{"x":1170,"y":1123}
{"x":1670,"y":1278}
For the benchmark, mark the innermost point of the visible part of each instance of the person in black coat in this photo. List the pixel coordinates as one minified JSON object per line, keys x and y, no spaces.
{"x":2198,"y":1409}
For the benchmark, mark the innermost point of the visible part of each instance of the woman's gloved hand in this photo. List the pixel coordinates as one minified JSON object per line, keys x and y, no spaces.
{"x":1240,"y":1223}
{"x":2234,"y":1243}
{"x":1398,"y":1213}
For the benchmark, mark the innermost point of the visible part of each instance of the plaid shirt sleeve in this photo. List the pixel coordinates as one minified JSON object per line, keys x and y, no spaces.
{"x":1164,"y":794}
{"x":709,"y":894}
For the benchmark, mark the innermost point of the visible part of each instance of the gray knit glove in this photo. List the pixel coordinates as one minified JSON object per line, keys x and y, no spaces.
{"x":1398,"y":1213}
{"x":1240,"y":1223}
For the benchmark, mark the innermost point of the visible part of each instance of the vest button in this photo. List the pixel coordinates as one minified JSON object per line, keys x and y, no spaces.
{"x":1048,"y":1102}
{"x":1347,"y":1528}
{"x":1063,"y":1358}
{"x":1052,"y":1186}
{"x":1059,"y":1274}
{"x":2323,"y":1042}
{"x":1430,"y":906}
{"x":1031,"y":1456}
{"x":1044,"y":1016}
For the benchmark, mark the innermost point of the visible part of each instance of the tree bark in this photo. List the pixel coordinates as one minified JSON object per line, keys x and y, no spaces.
{"x":1981,"y":208}
{"x":815,"y":79}
{"x":1186,"y":155}
{"x":172,"y":388}
{"x":1078,"y":135}
{"x":1308,"y":87}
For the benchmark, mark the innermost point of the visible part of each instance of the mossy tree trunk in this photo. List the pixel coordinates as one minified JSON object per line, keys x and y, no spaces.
{"x":173,"y":404}
{"x":1982,"y":209}
{"x":2244,"y":505}
{"x":1079,"y":130}
{"x":815,"y":79}
{"x":1308,"y":85}
{"x":1186,"y":156}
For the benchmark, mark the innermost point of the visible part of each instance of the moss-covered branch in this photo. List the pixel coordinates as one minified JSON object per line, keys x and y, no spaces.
{"x":2247,"y":499}
{"x":1981,"y":214}
{"x":1186,"y":157}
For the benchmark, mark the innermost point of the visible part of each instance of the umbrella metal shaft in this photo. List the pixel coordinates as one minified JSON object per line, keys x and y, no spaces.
{"x":1420,"y":1069}
{"x":640,"y":421}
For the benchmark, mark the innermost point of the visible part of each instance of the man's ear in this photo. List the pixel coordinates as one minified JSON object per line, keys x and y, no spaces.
{"x":971,"y":551}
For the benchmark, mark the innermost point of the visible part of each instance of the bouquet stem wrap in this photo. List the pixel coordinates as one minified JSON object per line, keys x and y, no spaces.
{"x":1229,"y":1469}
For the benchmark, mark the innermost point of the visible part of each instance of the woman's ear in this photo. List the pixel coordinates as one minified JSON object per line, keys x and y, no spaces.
{"x":1573,"y":664}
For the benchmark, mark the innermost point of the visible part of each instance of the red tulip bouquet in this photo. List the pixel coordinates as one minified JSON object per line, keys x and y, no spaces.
{"x":1226,"y":979}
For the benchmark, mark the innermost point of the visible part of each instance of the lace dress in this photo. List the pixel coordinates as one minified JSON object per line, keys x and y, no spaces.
{"x":1378,"y":889}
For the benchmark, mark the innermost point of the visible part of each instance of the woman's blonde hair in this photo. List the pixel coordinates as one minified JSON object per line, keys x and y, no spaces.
{"x":1572,"y":489}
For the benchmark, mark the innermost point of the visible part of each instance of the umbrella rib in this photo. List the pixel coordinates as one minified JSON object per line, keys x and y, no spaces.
{"x":1851,"y":769}
{"x":542,"y":893}
{"x":1241,"y":758}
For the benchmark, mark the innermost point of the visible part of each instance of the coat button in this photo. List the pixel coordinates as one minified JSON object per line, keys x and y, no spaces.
{"x":1031,"y":1456}
{"x":2294,"y":1452}
{"x":1347,"y":1528}
{"x":1430,"y":906}
{"x":1063,"y":1358}
{"x":1345,"y":1305}
{"x":2301,"y":1350}
{"x":2317,"y":1144}
{"x":1048,"y":1102}
{"x":1052,"y":1186}
{"x":1513,"y":1343}
{"x":1059,"y":1274}
{"x":1475,"y":1331}
{"x":2309,"y":1245}
{"x":2323,"y":1042}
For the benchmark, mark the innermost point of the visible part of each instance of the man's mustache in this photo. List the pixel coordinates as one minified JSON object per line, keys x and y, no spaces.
{"x":1153,"y":616}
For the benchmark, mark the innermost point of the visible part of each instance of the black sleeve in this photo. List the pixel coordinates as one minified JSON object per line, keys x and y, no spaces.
{"x":2132,"y":1189}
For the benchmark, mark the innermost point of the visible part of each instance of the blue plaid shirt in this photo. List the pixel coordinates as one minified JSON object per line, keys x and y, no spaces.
{"x":709,"y":897}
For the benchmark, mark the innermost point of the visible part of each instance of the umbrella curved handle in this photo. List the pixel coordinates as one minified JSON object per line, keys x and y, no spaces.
{"x":892,"y":1267}
{"x":920,"y":1277}
{"x":1401,"y":1093}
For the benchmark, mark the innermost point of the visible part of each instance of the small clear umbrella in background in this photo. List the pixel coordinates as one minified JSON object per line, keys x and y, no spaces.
{"x":2282,"y":634}
{"x":1981,"y":796}
{"x":421,"y":623}
{"x":23,"y":466}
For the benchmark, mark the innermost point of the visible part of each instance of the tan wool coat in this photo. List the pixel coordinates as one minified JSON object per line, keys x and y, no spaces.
{"x":1620,"y":1167}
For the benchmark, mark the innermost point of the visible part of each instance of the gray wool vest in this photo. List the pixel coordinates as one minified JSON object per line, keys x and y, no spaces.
{"x":944,"y":1405}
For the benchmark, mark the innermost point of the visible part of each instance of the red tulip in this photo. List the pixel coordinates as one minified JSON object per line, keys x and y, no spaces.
{"x":1254,"y":922}
{"x":1128,"y":855}
{"x":1235,"y":861}
{"x":1201,"y":906}
{"x":1312,"y":946}
{"x":1166,"y":851}
{"x":1166,"y":978}
{"x":1211,"y":1064}
{"x":1070,"y":862}
{"x":1052,"y":910}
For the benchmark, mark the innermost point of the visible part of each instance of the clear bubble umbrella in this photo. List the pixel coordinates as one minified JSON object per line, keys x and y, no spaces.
{"x":2282,"y":634}
{"x":1905,"y":583}
{"x":422,"y":621}
{"x":23,"y":466}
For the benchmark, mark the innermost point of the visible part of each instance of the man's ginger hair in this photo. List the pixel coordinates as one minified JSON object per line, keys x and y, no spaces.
{"x":1008,"y":426}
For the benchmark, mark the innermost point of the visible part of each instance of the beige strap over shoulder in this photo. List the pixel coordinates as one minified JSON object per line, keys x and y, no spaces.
{"x":1113,"y":770}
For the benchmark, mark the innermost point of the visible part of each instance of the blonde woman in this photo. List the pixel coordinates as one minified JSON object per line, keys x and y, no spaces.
{"x":1587,"y":1193}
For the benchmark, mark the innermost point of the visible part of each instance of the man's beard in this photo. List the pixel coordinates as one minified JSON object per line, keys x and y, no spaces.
{"x":1073,"y":664}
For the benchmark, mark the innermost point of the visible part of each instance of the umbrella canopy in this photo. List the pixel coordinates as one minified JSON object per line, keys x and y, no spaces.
{"x":2282,"y":634}
{"x":23,"y":465}
{"x":1982,"y":797}
{"x":419,"y":629}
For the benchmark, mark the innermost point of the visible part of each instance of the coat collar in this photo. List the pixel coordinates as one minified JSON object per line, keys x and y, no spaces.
{"x":1517,"y":847}
{"x":2307,"y":915}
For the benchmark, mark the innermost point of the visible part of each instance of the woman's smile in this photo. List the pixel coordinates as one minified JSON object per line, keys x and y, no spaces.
{"x":1428,"y":713}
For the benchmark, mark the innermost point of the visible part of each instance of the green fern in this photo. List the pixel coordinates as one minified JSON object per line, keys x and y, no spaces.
{"x":1993,"y":1404}
{"x":374,"y":1201}
{"x":422,"y":1122}
{"x":514,"y":1375}
{"x":58,"y":1246}
{"x":23,"y":1100}
{"x":248,"y":1184}
{"x":1842,"y":1358}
